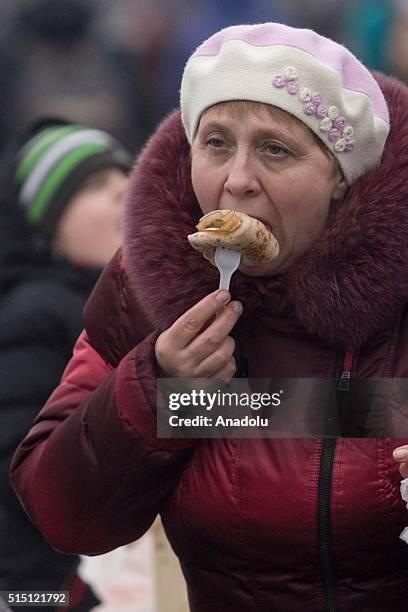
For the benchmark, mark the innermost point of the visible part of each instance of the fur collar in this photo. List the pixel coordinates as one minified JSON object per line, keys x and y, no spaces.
{"x":350,"y":284}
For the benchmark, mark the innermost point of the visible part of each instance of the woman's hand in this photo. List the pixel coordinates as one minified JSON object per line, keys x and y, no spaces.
{"x":198,"y":344}
{"x":400,"y":454}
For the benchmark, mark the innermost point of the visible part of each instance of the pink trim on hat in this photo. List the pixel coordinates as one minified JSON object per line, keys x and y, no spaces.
{"x":355,"y":76}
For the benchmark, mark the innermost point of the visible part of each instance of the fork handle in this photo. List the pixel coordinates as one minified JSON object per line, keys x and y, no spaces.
{"x":225,"y":279}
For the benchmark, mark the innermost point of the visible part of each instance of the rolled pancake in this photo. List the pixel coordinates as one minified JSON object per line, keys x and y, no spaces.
{"x":236,"y":231}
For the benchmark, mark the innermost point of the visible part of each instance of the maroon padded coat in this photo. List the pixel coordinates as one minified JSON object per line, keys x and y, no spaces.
{"x":259,"y":525}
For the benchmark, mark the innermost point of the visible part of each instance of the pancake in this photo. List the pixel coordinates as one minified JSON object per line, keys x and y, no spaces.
{"x":236,"y":231}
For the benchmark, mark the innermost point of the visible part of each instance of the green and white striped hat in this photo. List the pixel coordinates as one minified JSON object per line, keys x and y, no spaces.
{"x":54,"y":162}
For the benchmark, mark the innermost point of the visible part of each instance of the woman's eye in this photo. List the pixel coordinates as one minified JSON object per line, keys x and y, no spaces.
{"x":215,"y":143}
{"x":275,"y":150}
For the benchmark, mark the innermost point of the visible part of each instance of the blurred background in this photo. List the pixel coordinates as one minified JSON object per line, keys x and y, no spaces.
{"x":116,"y":64}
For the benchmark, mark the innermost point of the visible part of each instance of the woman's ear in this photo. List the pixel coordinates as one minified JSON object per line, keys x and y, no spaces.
{"x":340,"y":188}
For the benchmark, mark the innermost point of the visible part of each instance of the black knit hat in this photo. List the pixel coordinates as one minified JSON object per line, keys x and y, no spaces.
{"x":53,"y":163}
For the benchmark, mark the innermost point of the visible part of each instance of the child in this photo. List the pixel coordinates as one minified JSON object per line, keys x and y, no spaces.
{"x":62,"y":197}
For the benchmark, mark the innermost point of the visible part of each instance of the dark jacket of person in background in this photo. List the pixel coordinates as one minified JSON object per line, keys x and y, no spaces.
{"x":40,"y":320}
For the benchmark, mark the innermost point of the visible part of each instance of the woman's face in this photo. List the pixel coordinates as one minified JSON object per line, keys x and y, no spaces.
{"x":267,"y":168}
{"x":90,"y":229}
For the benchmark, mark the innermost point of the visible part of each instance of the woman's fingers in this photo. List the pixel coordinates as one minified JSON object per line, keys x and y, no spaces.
{"x":198,"y":336}
{"x":217,"y":360}
{"x":400,"y":454}
{"x":227,"y":372}
{"x":210,"y":340}
{"x":189,"y":325}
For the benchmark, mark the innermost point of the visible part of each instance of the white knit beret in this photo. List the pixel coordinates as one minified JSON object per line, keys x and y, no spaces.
{"x":311,"y":77}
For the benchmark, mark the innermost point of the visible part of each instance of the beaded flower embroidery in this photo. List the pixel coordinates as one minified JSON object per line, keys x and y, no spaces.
{"x":330,"y":120}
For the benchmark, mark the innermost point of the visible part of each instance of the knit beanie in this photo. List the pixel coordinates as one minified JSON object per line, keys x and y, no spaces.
{"x":53,"y":163}
{"x":311,"y":77}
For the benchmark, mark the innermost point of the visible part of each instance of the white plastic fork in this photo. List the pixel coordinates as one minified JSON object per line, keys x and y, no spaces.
{"x":227,"y":261}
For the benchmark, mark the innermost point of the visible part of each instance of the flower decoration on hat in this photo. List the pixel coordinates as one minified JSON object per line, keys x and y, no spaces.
{"x":331,"y":121}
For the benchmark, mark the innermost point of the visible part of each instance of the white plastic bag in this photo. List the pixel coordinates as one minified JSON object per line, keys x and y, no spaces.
{"x":122,"y":579}
{"x":404,"y":495}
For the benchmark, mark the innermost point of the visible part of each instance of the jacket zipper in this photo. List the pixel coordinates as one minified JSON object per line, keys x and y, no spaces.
{"x":343,"y":383}
{"x":323,"y":521}
{"x":324,"y":494}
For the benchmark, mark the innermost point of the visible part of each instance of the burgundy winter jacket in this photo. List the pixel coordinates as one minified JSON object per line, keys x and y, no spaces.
{"x":259,"y":525}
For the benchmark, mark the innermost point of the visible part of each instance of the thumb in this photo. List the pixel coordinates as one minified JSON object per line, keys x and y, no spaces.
{"x":400,"y":455}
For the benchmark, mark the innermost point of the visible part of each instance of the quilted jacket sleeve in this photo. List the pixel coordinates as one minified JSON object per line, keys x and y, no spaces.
{"x":91,"y":473}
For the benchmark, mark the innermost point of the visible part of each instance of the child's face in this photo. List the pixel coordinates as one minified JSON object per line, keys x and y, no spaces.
{"x":90,"y":229}
{"x":269,"y":169}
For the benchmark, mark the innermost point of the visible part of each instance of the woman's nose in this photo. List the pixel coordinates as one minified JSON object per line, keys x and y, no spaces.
{"x":242,"y":180}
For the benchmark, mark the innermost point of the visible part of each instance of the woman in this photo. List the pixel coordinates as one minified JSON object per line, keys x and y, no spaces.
{"x":62,"y":204}
{"x":258,"y":524}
